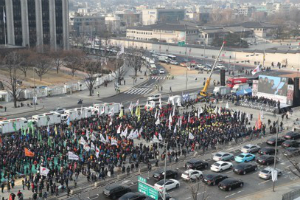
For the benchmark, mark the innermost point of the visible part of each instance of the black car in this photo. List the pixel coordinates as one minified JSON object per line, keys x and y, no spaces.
{"x":213,"y":179}
{"x":267,"y":151}
{"x":133,"y":196}
{"x":291,"y":152}
{"x":196,"y":164}
{"x":290,"y":143}
{"x":265,"y":160}
{"x":115,"y":191}
{"x":160,"y":198}
{"x":244,"y":168}
{"x":272,"y":141}
{"x":292,"y":136}
{"x":158,"y":175}
{"x":230,"y":183}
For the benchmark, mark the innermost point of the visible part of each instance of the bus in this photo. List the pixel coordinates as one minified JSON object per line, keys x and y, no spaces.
{"x":171,"y":57}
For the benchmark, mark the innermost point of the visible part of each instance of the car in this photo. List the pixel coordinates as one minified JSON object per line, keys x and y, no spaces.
{"x":115,"y":191}
{"x":291,"y":152}
{"x":220,"y":166}
{"x":207,"y":67}
{"x":230,"y":183}
{"x":162,"y":71}
{"x":272,"y":141}
{"x":168,"y":185}
{"x":292,"y":136}
{"x":199,"y":66}
{"x":223,"y":156}
{"x":265,"y":160}
{"x":174,"y":62}
{"x":59,"y":110}
{"x":244,"y":168}
{"x":213,"y":179}
{"x":196,"y":164}
{"x":158,"y":175}
{"x":267,"y":151}
{"x":154,"y":97}
{"x":244,"y":157}
{"x":133,"y":196}
{"x":160,"y":198}
{"x":221,"y":67}
{"x":191,"y":175}
{"x":154,"y":72}
{"x":266,"y":173}
{"x":250,"y":148}
{"x":290,"y":143}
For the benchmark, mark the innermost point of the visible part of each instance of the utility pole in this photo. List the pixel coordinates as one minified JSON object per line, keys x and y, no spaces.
{"x":165,"y":170}
{"x":34,"y":90}
{"x":276,"y":148}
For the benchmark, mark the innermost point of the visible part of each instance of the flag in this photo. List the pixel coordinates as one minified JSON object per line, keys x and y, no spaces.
{"x":97,"y":152}
{"x":68,"y":120}
{"x":140,"y":131}
{"x":86,"y":147}
{"x":155,"y":113}
{"x":258,"y":123}
{"x":113,"y":141}
{"x":44,"y":171}
{"x":15,"y":126}
{"x":191,"y":137}
{"x":102,"y":110}
{"x":175,"y":129}
{"x":72,"y":156}
{"x":1,"y":140}
{"x":131,"y":108}
{"x":200,"y":111}
{"x":157,"y":121}
{"x":111,"y":120}
{"x":155,"y":139}
{"x":256,"y":70}
{"x":160,"y":106}
{"x":121,"y":113}
{"x":160,"y":137}
{"x":137,"y":103}
{"x":102,"y":139}
{"x":87,"y":134}
{"x":119,"y":128}
{"x":216,"y":110}
{"x":48,"y":129}
{"x":173,"y":114}
{"x":111,"y":112}
{"x":93,"y":137}
{"x":227,"y":105}
{"x":55,"y":130}
{"x":82,"y":141}
{"x":124,"y":133}
{"x":28,"y":153}
{"x":4,"y":16}
{"x":138,"y":112}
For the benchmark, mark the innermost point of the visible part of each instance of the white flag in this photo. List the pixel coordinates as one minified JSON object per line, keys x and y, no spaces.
{"x":130,"y":107}
{"x":140,"y":131}
{"x":97,"y":152}
{"x":220,"y":111}
{"x":179,"y":102}
{"x":107,"y":140}
{"x":137,"y":103}
{"x":87,"y":134}
{"x":216,"y":110}
{"x":113,"y":141}
{"x":155,"y":113}
{"x":86,"y":147}
{"x":102,"y":139}
{"x":119,"y":128}
{"x":44,"y":171}
{"x":155,"y":139}
{"x":125,"y":132}
{"x":256,"y":70}
{"x":93,"y":137}
{"x":170,"y":125}
{"x":160,"y":106}
{"x":82,"y":141}
{"x":175,"y":129}
{"x":102,"y":110}
{"x":135,"y":134}
{"x":173,"y":114}
{"x":72,"y":156}
{"x":92,"y":146}
{"x":111,"y":112}
{"x":160,"y":137}
{"x":191,"y":137}
{"x":157,"y":121}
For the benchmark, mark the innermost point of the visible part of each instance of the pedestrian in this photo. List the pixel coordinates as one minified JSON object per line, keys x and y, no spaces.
{"x":34,"y":196}
{"x":170,"y":89}
{"x":2,"y":187}
{"x":98,"y":94}
{"x":5,"y":109}
{"x":161,"y":88}
{"x":128,"y":170}
{"x":45,"y":196}
{"x":68,"y":191}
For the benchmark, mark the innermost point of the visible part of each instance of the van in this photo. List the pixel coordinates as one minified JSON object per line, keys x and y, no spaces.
{"x":222,"y":90}
{"x":238,"y":87}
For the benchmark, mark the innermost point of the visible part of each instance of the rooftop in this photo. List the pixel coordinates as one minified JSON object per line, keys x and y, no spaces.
{"x":170,"y":27}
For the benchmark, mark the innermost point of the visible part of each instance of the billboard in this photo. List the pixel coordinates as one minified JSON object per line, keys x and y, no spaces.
{"x":275,"y":88}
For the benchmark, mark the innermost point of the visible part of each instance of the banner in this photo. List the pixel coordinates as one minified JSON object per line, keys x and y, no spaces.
{"x":114,"y":142}
{"x":82,"y":141}
{"x":44,"y":171}
{"x":28,"y":153}
{"x":72,"y":156}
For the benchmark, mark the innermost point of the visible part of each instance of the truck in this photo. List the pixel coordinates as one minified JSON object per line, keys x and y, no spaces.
{"x":83,"y":112}
{"x":12,"y":125}
{"x":238,"y":87}
{"x":153,"y":66}
{"x":222,"y":90}
{"x":108,"y":107}
{"x":238,"y":80}
{"x":72,"y":114}
{"x":163,"y":58}
{"x":47,"y":119}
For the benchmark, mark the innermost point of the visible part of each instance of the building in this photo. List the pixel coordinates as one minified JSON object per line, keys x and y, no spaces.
{"x":129,"y":18}
{"x":170,"y":33}
{"x":260,"y":29}
{"x":113,"y":24}
{"x":35,"y":23}
{"x":153,"y":16}
{"x":88,"y":25}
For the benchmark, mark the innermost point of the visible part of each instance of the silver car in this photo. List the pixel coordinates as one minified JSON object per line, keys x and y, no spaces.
{"x":267,"y":173}
{"x":250,"y":148}
{"x":223,"y":156}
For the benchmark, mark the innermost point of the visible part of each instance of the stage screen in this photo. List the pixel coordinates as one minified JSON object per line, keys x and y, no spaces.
{"x":273,"y":85}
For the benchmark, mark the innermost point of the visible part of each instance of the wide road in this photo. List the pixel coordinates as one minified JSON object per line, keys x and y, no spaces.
{"x":252,"y":183}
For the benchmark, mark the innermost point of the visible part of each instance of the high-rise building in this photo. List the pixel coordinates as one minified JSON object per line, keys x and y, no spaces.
{"x":35,"y":23}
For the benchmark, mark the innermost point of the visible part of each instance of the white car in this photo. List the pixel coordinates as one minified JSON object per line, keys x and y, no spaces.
{"x":221,"y":166}
{"x":191,"y":175}
{"x":154,"y":97}
{"x":162,"y":71}
{"x":199,"y":66}
{"x":250,"y":148}
{"x":267,"y":173}
{"x":173,"y":62}
{"x":223,"y":156}
{"x":168,"y":185}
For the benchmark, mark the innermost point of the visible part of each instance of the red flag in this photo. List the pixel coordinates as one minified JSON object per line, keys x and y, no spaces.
{"x":28,"y":153}
{"x":0,"y":140}
{"x":258,"y":123}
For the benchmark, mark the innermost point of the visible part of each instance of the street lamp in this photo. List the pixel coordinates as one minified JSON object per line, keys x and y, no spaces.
{"x":34,"y":91}
{"x":276,"y":146}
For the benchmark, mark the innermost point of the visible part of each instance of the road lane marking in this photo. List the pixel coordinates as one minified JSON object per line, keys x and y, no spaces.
{"x":188,"y":197}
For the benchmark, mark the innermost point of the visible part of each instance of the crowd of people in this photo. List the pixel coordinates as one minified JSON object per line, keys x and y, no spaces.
{"x":102,"y":144}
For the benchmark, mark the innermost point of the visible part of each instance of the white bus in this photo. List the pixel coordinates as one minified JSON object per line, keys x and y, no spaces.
{"x":171,"y":57}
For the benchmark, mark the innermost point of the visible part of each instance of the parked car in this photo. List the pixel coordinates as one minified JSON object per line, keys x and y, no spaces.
{"x":221,"y":166}
{"x":191,"y":175}
{"x":267,"y":151}
{"x":173,"y":62}
{"x":196,"y":164}
{"x":244,"y":157}
{"x":266,"y":173}
{"x":292,"y":136}
{"x":265,"y":160}
{"x":290,"y":143}
{"x":158,"y":175}
{"x":250,"y":148}
{"x":133,"y":196}
{"x":162,"y":71}
{"x":244,"y":168}
{"x":207,"y":67}
{"x":230,"y":183}
{"x":291,"y":152}
{"x":168,"y":185}
{"x":223,"y":156}
{"x":199,"y":67}
{"x":160,"y":198}
{"x":272,"y":141}
{"x":115,"y":191}
{"x":213,"y":179}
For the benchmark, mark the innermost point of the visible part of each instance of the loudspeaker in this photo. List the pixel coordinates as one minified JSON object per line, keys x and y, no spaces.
{"x":222,"y":77}
{"x":296,"y":100}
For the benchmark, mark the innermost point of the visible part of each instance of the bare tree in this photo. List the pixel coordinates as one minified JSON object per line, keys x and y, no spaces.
{"x":42,"y":65}
{"x":57,"y":57}
{"x":12,"y":62}
{"x":26,"y":56}
{"x":73,"y":60}
{"x":196,"y":188}
{"x":134,"y":60}
{"x":92,"y":70}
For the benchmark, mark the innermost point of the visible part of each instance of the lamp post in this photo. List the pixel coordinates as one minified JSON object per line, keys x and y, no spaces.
{"x":34,"y":90}
{"x":275,"y":156}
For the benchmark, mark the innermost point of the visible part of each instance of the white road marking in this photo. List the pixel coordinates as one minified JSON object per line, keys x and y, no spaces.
{"x":188,"y":197}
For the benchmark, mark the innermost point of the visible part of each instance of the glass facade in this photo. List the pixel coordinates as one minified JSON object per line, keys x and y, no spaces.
{"x":59,"y":23}
{"x":2,"y":35}
{"x":17,"y":22}
{"x":46,"y":22}
{"x":167,"y":16}
{"x":32,"y":22}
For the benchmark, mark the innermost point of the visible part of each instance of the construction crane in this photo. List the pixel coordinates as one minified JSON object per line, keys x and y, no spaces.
{"x":203,"y":92}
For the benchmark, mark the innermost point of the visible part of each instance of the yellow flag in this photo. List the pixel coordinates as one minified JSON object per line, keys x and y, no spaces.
{"x":55,"y":130}
{"x":121,"y":113}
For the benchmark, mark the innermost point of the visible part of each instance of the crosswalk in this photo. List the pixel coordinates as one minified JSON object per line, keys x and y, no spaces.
{"x":158,"y":77}
{"x":139,"y":90}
